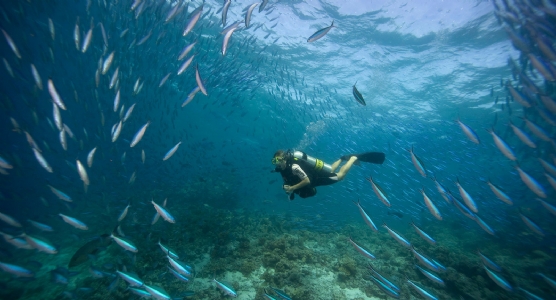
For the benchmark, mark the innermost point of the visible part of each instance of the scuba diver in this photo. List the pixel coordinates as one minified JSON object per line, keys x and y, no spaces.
{"x":302,"y":173}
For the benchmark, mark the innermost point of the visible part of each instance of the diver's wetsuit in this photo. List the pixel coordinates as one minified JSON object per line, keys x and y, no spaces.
{"x":297,"y":169}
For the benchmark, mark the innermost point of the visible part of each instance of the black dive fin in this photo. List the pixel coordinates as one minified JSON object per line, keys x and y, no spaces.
{"x":372,"y":157}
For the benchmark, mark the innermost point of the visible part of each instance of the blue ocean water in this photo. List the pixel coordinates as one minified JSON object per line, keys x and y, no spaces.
{"x":420,"y":66}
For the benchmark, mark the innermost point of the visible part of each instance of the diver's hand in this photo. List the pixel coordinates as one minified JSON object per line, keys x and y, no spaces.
{"x":288,"y":188}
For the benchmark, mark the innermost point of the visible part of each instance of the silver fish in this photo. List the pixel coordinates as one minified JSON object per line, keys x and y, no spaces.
{"x":87,"y":40}
{"x":9,"y":220}
{"x":40,"y":245}
{"x":195,"y":15}
{"x":42,"y":161}
{"x":523,"y":136}
{"x":91,"y":156}
{"x":74,"y":222}
{"x":136,"y":85}
{"x":263,"y":5}
{"x":225,"y":11}
{"x":104,"y":37}
{"x":467,"y":198}
{"x":500,"y":193}
{"x":190,"y":96}
{"x":320,"y":33}
{"x":128,"y":112}
{"x":15,"y":270}
{"x":8,"y":67}
{"x":502,"y":146}
{"x":163,"y":212}
{"x":117,"y":131}
{"x":117,"y":101}
{"x":531,"y":183}
{"x":61,"y":195}
{"x":171,"y":151}
{"x":139,"y":135}
{"x":11,"y":44}
{"x":55,"y":96}
{"x":51,"y":29}
{"x":226,"y":40}
{"x":63,"y":140}
{"x":186,"y":50}
{"x":248,"y":14}
{"x":108,"y":62}
{"x":114,"y":79}
{"x":127,"y":245}
{"x":57,"y":116}
{"x":432,"y":208}
{"x":36,"y":76}
{"x":172,"y":13}
{"x":5,"y":164}
{"x":83,"y":173}
{"x":77,"y":35}
{"x":185,"y":65}
{"x":200,"y":81}
{"x":164,"y":80}
{"x":470,"y":133}
{"x":124,"y":213}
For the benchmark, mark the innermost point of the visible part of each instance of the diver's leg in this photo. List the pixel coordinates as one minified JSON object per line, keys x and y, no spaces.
{"x":345,"y":168}
{"x":335,"y":165}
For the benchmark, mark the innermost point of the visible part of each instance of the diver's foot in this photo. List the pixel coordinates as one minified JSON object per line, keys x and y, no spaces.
{"x":348,"y":156}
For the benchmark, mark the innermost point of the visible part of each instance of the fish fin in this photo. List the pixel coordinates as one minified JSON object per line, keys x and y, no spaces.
{"x":115,"y":230}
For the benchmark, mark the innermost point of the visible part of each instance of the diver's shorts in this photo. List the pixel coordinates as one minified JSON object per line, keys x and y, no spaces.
{"x":306,"y":191}
{"x":328,"y":179}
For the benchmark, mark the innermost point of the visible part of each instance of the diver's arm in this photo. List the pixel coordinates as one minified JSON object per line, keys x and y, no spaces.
{"x":301,"y":184}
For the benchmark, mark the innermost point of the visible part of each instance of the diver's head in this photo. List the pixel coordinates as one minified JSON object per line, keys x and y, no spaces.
{"x":280,"y":159}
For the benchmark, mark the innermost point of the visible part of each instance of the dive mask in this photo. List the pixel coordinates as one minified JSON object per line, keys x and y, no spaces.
{"x":278,"y":160}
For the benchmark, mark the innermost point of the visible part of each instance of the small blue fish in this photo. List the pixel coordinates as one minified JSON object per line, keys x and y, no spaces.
{"x":548,"y":280}
{"x":268,"y":296}
{"x":484,"y":225}
{"x":163,"y":213}
{"x":489,"y":263}
{"x":131,"y":279}
{"x":383,"y":279}
{"x":281,"y":294}
{"x":551,"y":208}
{"x":530,"y":295}
{"x":532,"y":225}
{"x":358,"y":96}
{"x":178,"y":275}
{"x":499,"y":280}
{"x":400,"y":239}
{"x":431,"y":276}
{"x":365,"y":216}
{"x":320,"y":33}
{"x":157,"y":292}
{"x":17,"y":271}
{"x":385,"y":288}
{"x":471,"y":135}
{"x":225,"y":288}
{"x":362,"y":250}
{"x":420,"y":290}
{"x":423,"y":234}
{"x":425,"y":261}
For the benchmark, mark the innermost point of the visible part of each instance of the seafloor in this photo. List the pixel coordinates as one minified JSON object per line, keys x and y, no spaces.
{"x":255,"y":250}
